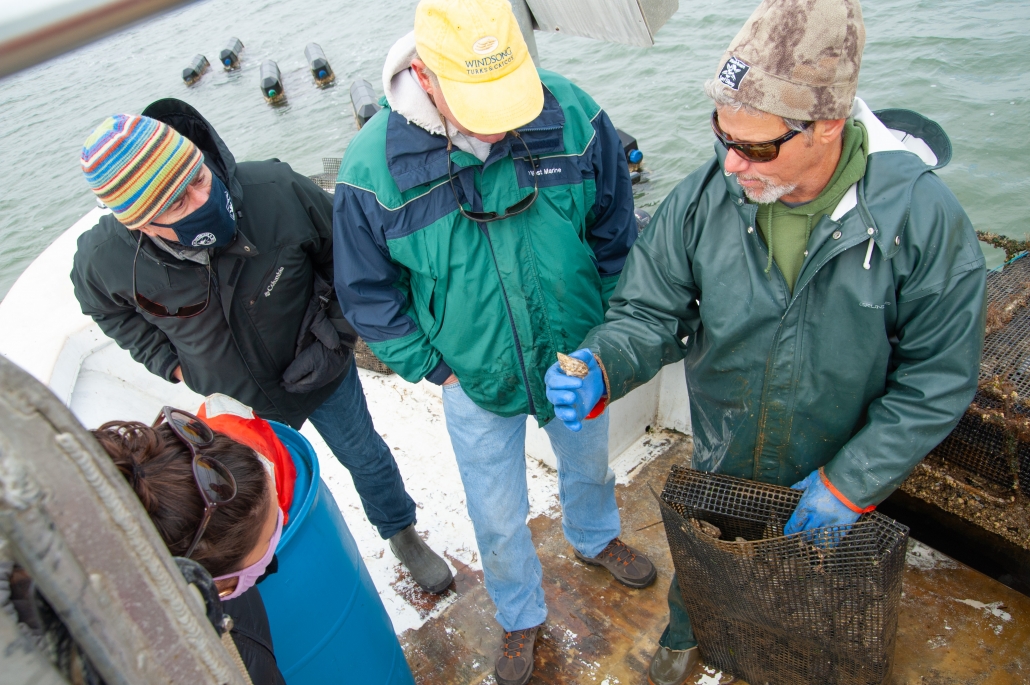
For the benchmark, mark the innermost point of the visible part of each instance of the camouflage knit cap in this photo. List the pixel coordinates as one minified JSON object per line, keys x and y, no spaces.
{"x":798,"y":59}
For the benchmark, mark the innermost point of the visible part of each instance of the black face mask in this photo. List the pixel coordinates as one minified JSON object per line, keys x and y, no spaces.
{"x":213,"y":224}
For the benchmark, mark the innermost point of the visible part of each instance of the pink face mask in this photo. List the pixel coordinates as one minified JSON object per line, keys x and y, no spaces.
{"x":247,"y":577}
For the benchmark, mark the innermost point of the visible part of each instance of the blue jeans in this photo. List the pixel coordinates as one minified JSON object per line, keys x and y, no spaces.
{"x":491,"y":455}
{"x":344,"y":423}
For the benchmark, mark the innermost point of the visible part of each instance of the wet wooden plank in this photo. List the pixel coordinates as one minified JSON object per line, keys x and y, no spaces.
{"x":598,"y":631}
{"x":957,"y":626}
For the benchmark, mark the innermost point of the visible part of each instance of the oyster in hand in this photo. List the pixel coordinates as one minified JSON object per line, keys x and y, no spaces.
{"x":572,"y":366}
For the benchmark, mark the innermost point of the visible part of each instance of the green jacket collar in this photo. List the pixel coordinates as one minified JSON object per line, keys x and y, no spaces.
{"x":415,"y":156}
{"x":903,"y":145}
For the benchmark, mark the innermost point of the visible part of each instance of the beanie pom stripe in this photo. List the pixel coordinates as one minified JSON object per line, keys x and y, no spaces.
{"x":138,"y":166}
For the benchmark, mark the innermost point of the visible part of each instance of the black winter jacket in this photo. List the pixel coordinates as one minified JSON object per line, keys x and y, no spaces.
{"x":262,"y":284}
{"x":253,"y":637}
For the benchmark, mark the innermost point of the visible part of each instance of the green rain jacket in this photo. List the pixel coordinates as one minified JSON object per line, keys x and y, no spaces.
{"x":433,"y":292}
{"x":863,"y":370}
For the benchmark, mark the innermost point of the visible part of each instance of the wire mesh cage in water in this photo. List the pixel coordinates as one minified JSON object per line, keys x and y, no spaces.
{"x":774,"y":609}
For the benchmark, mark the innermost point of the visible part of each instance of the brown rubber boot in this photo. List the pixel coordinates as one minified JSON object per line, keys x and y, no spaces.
{"x":515,"y":664}
{"x":630,"y":567}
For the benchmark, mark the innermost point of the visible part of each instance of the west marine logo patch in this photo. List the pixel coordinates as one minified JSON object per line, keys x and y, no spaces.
{"x":733,"y":72}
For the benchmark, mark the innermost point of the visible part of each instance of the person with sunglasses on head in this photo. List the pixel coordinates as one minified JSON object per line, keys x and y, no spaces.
{"x":219,"y":273}
{"x":215,"y":500}
{"x":822,"y":284}
{"x":481,"y":222}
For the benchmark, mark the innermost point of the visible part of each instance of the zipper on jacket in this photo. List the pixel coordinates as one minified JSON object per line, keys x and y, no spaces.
{"x":511,"y":322}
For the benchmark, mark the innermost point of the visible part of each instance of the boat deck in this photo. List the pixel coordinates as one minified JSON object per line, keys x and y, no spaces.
{"x":956,"y":625}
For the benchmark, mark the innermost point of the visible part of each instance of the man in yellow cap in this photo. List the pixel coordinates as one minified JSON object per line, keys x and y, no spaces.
{"x":481,"y":222}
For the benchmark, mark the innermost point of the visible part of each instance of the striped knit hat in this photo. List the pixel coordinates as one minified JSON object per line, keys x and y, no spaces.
{"x":138,"y":166}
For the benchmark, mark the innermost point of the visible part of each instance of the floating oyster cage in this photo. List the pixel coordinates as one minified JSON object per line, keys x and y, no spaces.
{"x":819,"y":607}
{"x":992,"y":440}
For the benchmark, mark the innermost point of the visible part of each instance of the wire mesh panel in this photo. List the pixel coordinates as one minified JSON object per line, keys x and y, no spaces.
{"x":814,"y":607}
{"x":330,"y":170}
{"x":993,"y":437}
{"x":366,"y":359}
{"x":331,"y":166}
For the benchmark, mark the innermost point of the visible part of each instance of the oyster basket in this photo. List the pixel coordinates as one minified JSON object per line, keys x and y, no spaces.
{"x":366,"y":359}
{"x":775,"y":609}
{"x":330,"y":170}
{"x":993,"y":437}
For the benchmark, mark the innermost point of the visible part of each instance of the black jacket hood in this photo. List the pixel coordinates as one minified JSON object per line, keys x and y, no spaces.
{"x":190,"y":123}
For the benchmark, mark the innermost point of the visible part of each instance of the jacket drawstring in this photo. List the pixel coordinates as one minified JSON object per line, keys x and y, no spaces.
{"x":768,"y":235}
{"x":869,"y":251}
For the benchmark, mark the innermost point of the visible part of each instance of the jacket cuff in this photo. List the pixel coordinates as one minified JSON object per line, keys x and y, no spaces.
{"x":168,"y":368}
{"x":439,"y":374}
{"x":840,"y":496}
{"x":604,"y":375}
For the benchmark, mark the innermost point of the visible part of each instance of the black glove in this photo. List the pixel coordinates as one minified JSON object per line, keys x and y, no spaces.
{"x":325,"y":344}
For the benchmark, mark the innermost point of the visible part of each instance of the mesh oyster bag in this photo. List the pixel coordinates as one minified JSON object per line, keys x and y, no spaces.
{"x":813,"y":607}
{"x":993,"y":437}
{"x":330,"y":170}
{"x":366,"y":359}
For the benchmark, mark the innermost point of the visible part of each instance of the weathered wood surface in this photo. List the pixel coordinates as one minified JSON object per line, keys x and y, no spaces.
{"x":69,"y":518}
{"x":598,"y":631}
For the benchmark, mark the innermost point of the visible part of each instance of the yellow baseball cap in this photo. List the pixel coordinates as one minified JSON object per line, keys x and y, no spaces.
{"x":477,"y":51}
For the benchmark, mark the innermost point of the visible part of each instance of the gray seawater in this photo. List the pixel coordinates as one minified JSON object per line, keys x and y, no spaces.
{"x":963,"y":63}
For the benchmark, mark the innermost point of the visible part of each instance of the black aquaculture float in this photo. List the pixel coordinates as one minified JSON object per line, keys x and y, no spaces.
{"x":271,"y":82}
{"x":363,"y":99}
{"x":198,"y":66}
{"x":634,"y":156}
{"x":319,"y":65}
{"x":230,"y":54}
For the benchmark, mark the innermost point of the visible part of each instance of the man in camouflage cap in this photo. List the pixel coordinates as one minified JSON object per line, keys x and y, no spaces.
{"x":828,"y":284}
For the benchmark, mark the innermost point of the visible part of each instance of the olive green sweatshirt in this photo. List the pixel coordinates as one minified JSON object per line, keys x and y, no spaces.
{"x":786,"y":229}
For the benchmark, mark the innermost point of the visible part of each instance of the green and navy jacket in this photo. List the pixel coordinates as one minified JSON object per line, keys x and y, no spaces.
{"x":432,"y":292}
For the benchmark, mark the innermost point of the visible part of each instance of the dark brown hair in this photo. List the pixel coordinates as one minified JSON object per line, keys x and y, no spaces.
{"x":159,"y":468}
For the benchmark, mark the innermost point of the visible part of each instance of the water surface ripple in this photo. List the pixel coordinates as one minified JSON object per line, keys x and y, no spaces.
{"x":960,"y":62}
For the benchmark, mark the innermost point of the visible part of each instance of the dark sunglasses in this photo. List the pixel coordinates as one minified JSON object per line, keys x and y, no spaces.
{"x":215,"y":482}
{"x":753,"y":152}
{"x":517,"y":208}
{"x":158,"y":309}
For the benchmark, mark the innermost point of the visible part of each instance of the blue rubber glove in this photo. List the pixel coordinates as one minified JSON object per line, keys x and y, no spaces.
{"x":574,"y":398}
{"x":818,"y":508}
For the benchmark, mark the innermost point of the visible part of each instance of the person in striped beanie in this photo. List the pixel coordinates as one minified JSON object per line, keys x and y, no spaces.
{"x":218,"y":273}
{"x":138,"y":167}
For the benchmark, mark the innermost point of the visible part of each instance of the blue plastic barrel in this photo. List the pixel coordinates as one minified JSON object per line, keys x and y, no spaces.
{"x":328,"y":623}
